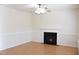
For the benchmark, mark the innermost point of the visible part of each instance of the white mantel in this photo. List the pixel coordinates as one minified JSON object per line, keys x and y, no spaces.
{"x":62,"y":39}
{"x":42,"y":30}
{"x":49,"y":28}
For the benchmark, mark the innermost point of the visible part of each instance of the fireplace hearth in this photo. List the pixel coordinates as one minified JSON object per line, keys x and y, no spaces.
{"x":50,"y":38}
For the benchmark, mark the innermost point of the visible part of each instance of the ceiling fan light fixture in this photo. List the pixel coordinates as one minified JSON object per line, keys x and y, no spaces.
{"x":40,"y":11}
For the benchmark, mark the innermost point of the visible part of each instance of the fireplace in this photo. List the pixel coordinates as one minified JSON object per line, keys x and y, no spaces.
{"x":50,"y":38}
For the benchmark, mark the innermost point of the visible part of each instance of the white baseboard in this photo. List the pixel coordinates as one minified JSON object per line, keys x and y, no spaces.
{"x":13,"y":39}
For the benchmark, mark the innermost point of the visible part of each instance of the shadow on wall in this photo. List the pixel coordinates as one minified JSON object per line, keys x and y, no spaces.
{"x":76,"y":13}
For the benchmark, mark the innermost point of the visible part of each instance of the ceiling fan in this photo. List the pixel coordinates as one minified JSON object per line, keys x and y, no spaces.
{"x":41,"y":9}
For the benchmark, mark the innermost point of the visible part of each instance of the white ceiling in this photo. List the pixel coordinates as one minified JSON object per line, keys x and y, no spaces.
{"x":29,"y":7}
{"x":23,"y":7}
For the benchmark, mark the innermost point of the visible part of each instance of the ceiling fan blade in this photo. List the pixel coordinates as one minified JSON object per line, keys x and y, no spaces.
{"x":47,"y":9}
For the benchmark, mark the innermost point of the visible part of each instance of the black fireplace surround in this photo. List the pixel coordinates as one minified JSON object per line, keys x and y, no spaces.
{"x":50,"y":38}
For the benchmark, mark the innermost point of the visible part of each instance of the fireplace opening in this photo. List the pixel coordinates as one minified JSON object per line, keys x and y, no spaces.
{"x":50,"y":38}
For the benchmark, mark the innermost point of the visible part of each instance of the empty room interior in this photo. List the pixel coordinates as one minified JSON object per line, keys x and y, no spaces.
{"x":39,"y":29}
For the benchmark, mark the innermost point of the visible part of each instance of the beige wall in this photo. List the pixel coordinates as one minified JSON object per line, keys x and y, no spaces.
{"x":15,"y":27}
